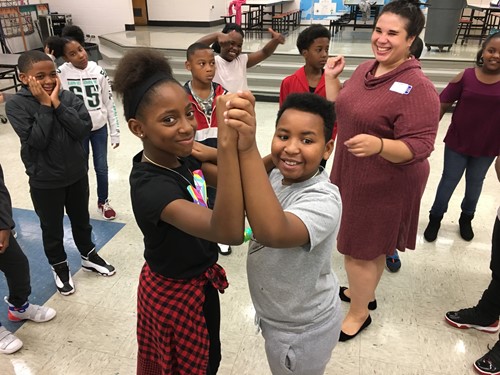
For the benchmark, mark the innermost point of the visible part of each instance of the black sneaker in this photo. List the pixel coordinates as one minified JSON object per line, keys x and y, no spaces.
{"x":490,"y":362}
{"x":472,"y":318}
{"x":94,"y":263}
{"x":62,"y":277}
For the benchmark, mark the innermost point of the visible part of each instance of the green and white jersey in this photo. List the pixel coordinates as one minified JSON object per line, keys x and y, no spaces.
{"x":92,"y":85}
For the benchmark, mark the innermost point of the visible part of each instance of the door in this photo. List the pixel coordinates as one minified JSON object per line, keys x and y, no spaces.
{"x":140,"y":12}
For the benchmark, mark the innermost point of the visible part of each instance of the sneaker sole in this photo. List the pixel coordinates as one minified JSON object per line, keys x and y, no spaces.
{"x":489,"y":329}
{"x":90,"y":269}
{"x":66,"y":293}
{"x":485,"y":372}
{"x":13,"y":349}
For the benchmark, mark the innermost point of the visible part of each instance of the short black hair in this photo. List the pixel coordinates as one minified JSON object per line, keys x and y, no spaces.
{"x":311,"y":103}
{"x":479,"y":56}
{"x":28,"y":58}
{"x":55,"y":44}
{"x":410,"y":11}
{"x":308,"y":35}
{"x":135,"y":67}
{"x":228,"y":27}
{"x":74,"y":32}
{"x":196,"y":47}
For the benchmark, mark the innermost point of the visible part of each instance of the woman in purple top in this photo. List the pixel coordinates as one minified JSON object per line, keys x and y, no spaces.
{"x":473,"y":138}
{"x":380,"y":165}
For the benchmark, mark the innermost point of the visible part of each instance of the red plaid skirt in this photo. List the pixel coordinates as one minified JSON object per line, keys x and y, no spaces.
{"x":171,"y":330}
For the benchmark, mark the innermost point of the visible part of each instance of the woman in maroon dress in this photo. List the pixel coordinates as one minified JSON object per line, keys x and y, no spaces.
{"x":388,"y":114}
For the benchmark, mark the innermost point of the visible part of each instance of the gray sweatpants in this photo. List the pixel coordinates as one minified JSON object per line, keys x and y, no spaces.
{"x":304,"y":353}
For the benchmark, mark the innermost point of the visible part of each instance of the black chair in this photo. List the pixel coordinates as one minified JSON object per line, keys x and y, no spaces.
{"x":9,"y":74}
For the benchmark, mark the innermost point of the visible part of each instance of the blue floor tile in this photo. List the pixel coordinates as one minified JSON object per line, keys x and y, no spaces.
{"x":29,"y":237}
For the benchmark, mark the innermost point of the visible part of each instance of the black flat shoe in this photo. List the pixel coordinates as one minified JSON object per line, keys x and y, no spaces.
{"x":371,"y":305}
{"x":345,"y":337}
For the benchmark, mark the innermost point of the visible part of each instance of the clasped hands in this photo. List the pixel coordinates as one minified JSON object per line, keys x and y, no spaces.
{"x":236,"y":120}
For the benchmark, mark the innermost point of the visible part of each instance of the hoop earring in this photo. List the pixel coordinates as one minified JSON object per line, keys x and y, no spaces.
{"x":481,"y":60}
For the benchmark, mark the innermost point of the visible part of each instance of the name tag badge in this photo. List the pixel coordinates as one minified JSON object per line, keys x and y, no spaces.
{"x":401,"y":88}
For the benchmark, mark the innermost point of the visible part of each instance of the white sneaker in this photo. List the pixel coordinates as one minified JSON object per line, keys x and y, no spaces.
{"x":62,"y":277}
{"x":8,"y":342}
{"x":94,"y":263}
{"x":29,"y":311}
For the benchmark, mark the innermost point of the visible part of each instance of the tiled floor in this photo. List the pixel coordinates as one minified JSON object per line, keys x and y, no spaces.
{"x":94,"y":331}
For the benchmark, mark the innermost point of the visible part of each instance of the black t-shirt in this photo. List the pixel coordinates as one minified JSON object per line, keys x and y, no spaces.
{"x":168,"y":250}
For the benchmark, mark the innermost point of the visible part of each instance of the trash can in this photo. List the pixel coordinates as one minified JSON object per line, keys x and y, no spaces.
{"x":93,"y":51}
{"x":443,"y":17}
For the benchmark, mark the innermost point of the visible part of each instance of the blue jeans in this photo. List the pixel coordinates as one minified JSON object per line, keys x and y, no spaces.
{"x":99,"y":141}
{"x":454,"y":166}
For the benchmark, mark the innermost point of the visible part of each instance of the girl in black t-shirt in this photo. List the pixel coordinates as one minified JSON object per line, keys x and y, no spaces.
{"x":178,"y":312}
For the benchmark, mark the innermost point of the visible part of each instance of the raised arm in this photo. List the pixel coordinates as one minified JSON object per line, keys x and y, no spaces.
{"x":262,"y":54}
{"x":228,"y":218}
{"x":271,"y":225}
{"x":211,"y":38}
{"x":333,"y":68}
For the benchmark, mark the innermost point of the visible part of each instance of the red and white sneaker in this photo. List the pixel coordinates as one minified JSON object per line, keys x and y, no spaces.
{"x":106,"y":210}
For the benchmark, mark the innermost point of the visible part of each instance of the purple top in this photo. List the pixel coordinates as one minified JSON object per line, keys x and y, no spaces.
{"x":475,"y":123}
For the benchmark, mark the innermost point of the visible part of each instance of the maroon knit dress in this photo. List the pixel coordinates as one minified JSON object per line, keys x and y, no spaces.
{"x":381,"y":200}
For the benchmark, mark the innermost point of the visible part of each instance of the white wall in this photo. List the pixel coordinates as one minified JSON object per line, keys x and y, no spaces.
{"x":96,"y":16}
{"x":191,"y":10}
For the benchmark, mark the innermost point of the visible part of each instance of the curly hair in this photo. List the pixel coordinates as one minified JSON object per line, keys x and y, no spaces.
{"x":311,"y":103}
{"x":74,"y":32}
{"x":136,"y":67}
{"x":55,"y":44}
{"x":308,"y":35}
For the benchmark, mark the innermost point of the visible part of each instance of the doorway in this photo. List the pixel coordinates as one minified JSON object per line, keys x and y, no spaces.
{"x":140,"y":12}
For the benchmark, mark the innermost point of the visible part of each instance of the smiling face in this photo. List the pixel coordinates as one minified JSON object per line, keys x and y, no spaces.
{"x":317,"y":53}
{"x":231,"y":50}
{"x":299,"y":145}
{"x":44,"y":72}
{"x":76,"y":54}
{"x":201,"y":64}
{"x":166,"y":124}
{"x":390,"y":41}
{"x":491,"y":56}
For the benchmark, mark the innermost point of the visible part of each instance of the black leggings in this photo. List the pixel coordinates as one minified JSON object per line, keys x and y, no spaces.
{"x":211,"y":310}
